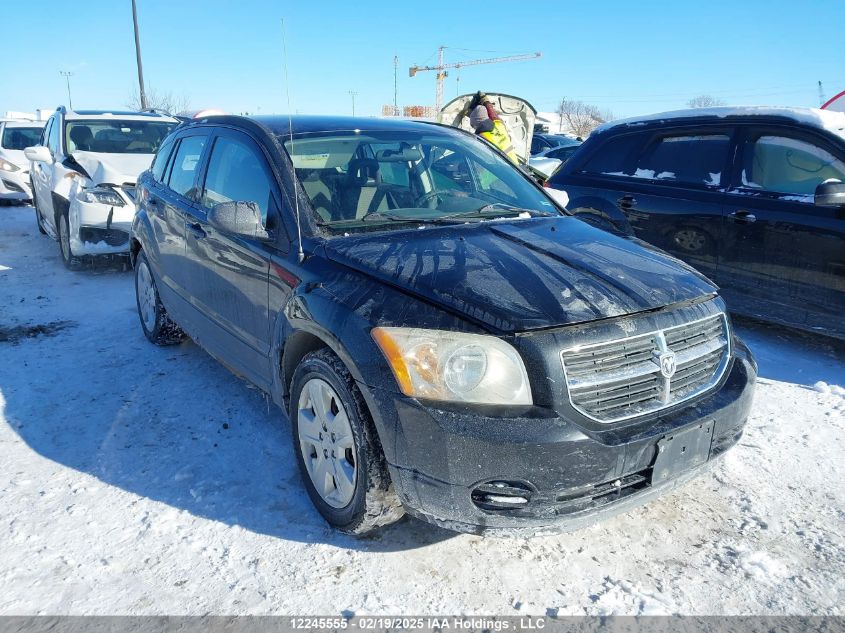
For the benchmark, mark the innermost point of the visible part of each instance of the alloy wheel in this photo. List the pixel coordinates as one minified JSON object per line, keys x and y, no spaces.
{"x":146,"y":296}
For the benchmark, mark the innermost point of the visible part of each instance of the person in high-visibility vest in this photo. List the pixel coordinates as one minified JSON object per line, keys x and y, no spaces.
{"x":485,"y":121}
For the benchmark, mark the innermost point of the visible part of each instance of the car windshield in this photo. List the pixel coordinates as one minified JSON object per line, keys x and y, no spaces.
{"x":116,"y":136}
{"x":20,"y":137}
{"x":354,"y":179}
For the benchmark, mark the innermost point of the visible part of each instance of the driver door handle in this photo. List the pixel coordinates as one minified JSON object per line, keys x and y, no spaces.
{"x":742,"y":217}
{"x":627,"y":202}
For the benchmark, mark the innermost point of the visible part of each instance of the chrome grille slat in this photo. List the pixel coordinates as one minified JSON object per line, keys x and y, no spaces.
{"x":620,"y":379}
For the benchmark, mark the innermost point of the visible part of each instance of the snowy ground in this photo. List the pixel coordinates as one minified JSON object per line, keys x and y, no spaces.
{"x":144,"y":480}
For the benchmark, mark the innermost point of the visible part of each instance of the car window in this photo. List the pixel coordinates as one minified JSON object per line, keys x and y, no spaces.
{"x":116,"y":136}
{"x":160,"y":161}
{"x":53,"y":139}
{"x":384,"y":176}
{"x":45,"y":133}
{"x":237,"y":174}
{"x":19,"y":138}
{"x":690,"y":159}
{"x":562,"y":153}
{"x":789,"y":166}
{"x":183,"y":168}
{"x":615,"y":157}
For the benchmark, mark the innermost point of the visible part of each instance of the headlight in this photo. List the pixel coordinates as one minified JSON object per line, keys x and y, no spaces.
{"x":7,"y":166}
{"x":103,"y":195}
{"x":453,"y":366}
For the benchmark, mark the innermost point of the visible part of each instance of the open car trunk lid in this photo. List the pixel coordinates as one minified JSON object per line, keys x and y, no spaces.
{"x":517,"y":114}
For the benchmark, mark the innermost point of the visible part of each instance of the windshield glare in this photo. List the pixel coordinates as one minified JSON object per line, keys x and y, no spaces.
{"x":357,"y":179}
{"x":115,"y":136}
{"x":20,"y":138}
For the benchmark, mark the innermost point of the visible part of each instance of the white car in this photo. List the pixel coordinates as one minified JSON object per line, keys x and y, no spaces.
{"x":84,"y":174}
{"x":15,"y":136}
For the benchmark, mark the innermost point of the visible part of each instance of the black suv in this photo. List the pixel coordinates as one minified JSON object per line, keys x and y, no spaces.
{"x":752,"y":197}
{"x":444,"y":338}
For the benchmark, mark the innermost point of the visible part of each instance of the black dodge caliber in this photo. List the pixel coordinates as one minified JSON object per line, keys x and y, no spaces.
{"x":445,"y":338}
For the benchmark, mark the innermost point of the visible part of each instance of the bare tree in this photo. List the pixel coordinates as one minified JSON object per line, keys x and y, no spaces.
{"x":580,"y":118}
{"x":704,"y":101}
{"x":167,"y":101}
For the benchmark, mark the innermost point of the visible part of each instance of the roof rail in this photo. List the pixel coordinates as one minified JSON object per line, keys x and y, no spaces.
{"x":161,"y":111}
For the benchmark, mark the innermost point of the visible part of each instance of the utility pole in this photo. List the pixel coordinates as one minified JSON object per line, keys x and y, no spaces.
{"x":67,"y":75}
{"x":395,"y":85}
{"x":353,"y":94}
{"x":821,"y":94}
{"x":143,"y":94}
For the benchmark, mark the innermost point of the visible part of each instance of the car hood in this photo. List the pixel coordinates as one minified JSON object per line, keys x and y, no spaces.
{"x":517,"y":114}
{"x":16,"y":157}
{"x":114,"y":169}
{"x":518,"y":275}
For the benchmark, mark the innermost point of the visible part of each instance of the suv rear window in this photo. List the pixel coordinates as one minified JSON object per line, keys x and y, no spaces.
{"x":616,"y":156}
{"x":690,"y":159}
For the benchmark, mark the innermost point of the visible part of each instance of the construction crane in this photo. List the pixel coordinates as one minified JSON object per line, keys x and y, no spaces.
{"x":442,"y":74}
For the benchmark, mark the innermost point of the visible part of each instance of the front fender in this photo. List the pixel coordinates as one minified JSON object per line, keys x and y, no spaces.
{"x":601,"y":213}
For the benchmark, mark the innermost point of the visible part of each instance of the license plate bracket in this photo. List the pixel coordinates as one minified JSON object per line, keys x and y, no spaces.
{"x":681,"y":451}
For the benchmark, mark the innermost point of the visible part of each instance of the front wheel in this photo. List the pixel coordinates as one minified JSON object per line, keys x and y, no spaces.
{"x":157,"y":326}
{"x":71,"y":261}
{"x":337,"y":448}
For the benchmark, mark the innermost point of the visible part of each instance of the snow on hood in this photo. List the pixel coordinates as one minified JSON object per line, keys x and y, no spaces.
{"x":113,"y":169}
{"x":825,"y":119}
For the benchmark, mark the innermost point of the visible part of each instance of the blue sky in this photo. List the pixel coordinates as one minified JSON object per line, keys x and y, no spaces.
{"x":627,"y":57}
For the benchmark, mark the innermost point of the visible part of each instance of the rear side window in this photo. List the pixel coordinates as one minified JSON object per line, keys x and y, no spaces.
{"x":160,"y":161}
{"x":789,"y":166}
{"x":616,"y":156}
{"x":183,"y":169}
{"x":688,"y":159}
{"x":237,"y":174}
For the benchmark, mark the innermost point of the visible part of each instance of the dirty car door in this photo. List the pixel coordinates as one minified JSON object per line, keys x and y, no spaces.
{"x":233,"y":269}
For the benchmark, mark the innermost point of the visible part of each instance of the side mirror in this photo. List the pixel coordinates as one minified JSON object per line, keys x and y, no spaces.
{"x":558,"y":195}
{"x":240,"y":218}
{"x":830,"y":193}
{"x":39,"y":154}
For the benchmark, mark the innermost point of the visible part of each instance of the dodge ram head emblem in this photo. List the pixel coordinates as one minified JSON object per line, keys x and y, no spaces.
{"x":667,"y":364}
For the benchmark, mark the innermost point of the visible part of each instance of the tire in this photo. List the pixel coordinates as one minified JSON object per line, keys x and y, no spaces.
{"x":367,"y":500}
{"x":71,"y":261}
{"x":37,"y":214}
{"x":157,"y":326}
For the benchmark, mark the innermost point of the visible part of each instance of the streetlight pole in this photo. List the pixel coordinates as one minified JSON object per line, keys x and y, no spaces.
{"x":67,"y":75}
{"x":353,"y":94}
{"x":143,"y":94}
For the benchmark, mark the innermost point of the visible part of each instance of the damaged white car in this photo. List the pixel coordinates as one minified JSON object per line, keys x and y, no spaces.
{"x":83,"y":177}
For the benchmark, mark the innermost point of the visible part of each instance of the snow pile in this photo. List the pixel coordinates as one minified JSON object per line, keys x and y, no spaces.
{"x":144,"y":480}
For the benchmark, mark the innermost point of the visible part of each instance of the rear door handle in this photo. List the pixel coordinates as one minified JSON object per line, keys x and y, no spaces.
{"x":742,"y":217}
{"x":627,"y":202}
{"x":196,"y":229}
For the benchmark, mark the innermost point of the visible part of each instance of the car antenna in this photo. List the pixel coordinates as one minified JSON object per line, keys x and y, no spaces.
{"x":290,"y":134}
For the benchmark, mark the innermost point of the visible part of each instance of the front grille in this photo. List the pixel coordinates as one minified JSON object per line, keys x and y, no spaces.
{"x":623,"y":378}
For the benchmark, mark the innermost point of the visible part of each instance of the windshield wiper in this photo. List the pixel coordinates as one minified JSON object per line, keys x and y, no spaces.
{"x":494,"y":208}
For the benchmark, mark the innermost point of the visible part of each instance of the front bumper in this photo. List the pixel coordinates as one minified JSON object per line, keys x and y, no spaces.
{"x":100,"y":229}
{"x":447,"y":465}
{"x":15,"y":185}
